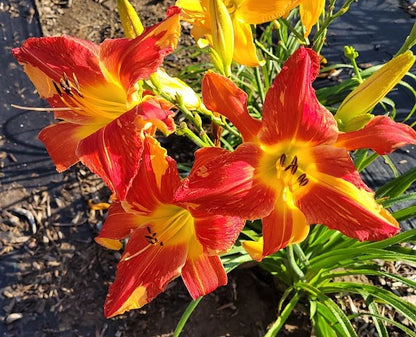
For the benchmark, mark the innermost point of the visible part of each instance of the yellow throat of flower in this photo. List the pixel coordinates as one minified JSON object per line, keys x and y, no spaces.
{"x":286,"y":167}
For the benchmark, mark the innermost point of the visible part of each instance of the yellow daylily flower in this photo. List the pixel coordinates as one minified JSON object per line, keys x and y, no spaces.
{"x":242,"y":13}
{"x":353,"y":112}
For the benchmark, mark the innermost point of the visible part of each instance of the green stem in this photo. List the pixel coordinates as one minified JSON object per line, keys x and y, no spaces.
{"x":410,"y":41}
{"x":218,"y":121}
{"x":278,"y":324}
{"x":319,"y":39}
{"x":269,"y":53}
{"x":357,"y":70}
{"x":185,"y":316}
{"x":299,"y":252}
{"x":294,"y":31}
{"x":183,"y":130}
{"x":292,"y":262}
{"x":259,"y":83}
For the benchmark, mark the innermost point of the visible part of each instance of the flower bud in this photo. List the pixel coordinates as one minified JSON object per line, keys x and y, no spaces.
{"x":352,"y":113}
{"x":130,"y":21}
{"x":175,"y":88}
{"x":222,"y":36}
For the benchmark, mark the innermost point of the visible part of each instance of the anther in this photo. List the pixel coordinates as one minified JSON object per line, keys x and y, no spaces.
{"x":148,"y":229}
{"x":66,"y":79}
{"x":65,"y":87}
{"x":302,"y":180}
{"x":294,"y":161}
{"x":294,"y":168}
{"x":282,"y":159}
{"x":57,"y":88}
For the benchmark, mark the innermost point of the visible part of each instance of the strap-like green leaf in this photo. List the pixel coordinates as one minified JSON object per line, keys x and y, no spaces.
{"x":405,"y":308}
{"x":344,"y":328}
{"x":398,"y":185}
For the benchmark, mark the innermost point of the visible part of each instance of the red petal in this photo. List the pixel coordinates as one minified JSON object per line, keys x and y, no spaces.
{"x":203,"y":274}
{"x":143,"y":273}
{"x":156,"y":181}
{"x":224,"y":183}
{"x":340,"y":205}
{"x":221,"y":95}
{"x":216,"y":233}
{"x":118,"y":224}
{"x":337,"y":163}
{"x":381,"y":134}
{"x":291,"y":109}
{"x":152,"y":110}
{"x":61,"y":141}
{"x":57,"y":55}
{"x":114,"y":152}
{"x":285,"y":225}
{"x":167,"y":31}
{"x":130,"y":60}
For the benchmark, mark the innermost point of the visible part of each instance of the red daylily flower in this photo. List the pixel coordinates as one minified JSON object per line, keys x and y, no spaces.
{"x":95,"y":94}
{"x":293,"y":168}
{"x":166,"y":238}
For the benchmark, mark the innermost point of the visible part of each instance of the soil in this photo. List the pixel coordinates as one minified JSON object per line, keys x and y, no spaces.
{"x":55,"y":278}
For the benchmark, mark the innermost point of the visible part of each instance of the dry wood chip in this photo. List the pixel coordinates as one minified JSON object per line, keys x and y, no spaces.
{"x":13,"y":317}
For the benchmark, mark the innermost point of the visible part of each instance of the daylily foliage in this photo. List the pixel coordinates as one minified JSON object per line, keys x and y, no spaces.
{"x":290,"y":169}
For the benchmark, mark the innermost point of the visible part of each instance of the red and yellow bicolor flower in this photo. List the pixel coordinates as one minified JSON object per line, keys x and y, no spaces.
{"x":95,"y":93}
{"x":167,"y":239}
{"x":293,"y":168}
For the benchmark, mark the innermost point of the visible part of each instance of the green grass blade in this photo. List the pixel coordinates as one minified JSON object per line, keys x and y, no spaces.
{"x":405,"y":308}
{"x":397,"y":186}
{"x":345,"y":328}
{"x":323,"y":320}
{"x":372,"y":306}
{"x":405,"y":329}
{"x":405,"y":213}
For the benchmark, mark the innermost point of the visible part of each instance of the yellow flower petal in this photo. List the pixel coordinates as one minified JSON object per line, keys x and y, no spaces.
{"x":190,"y":6}
{"x":244,"y":49}
{"x":363,"y":98}
{"x":310,"y":10}
{"x":254,"y":249}
{"x":255,"y":11}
